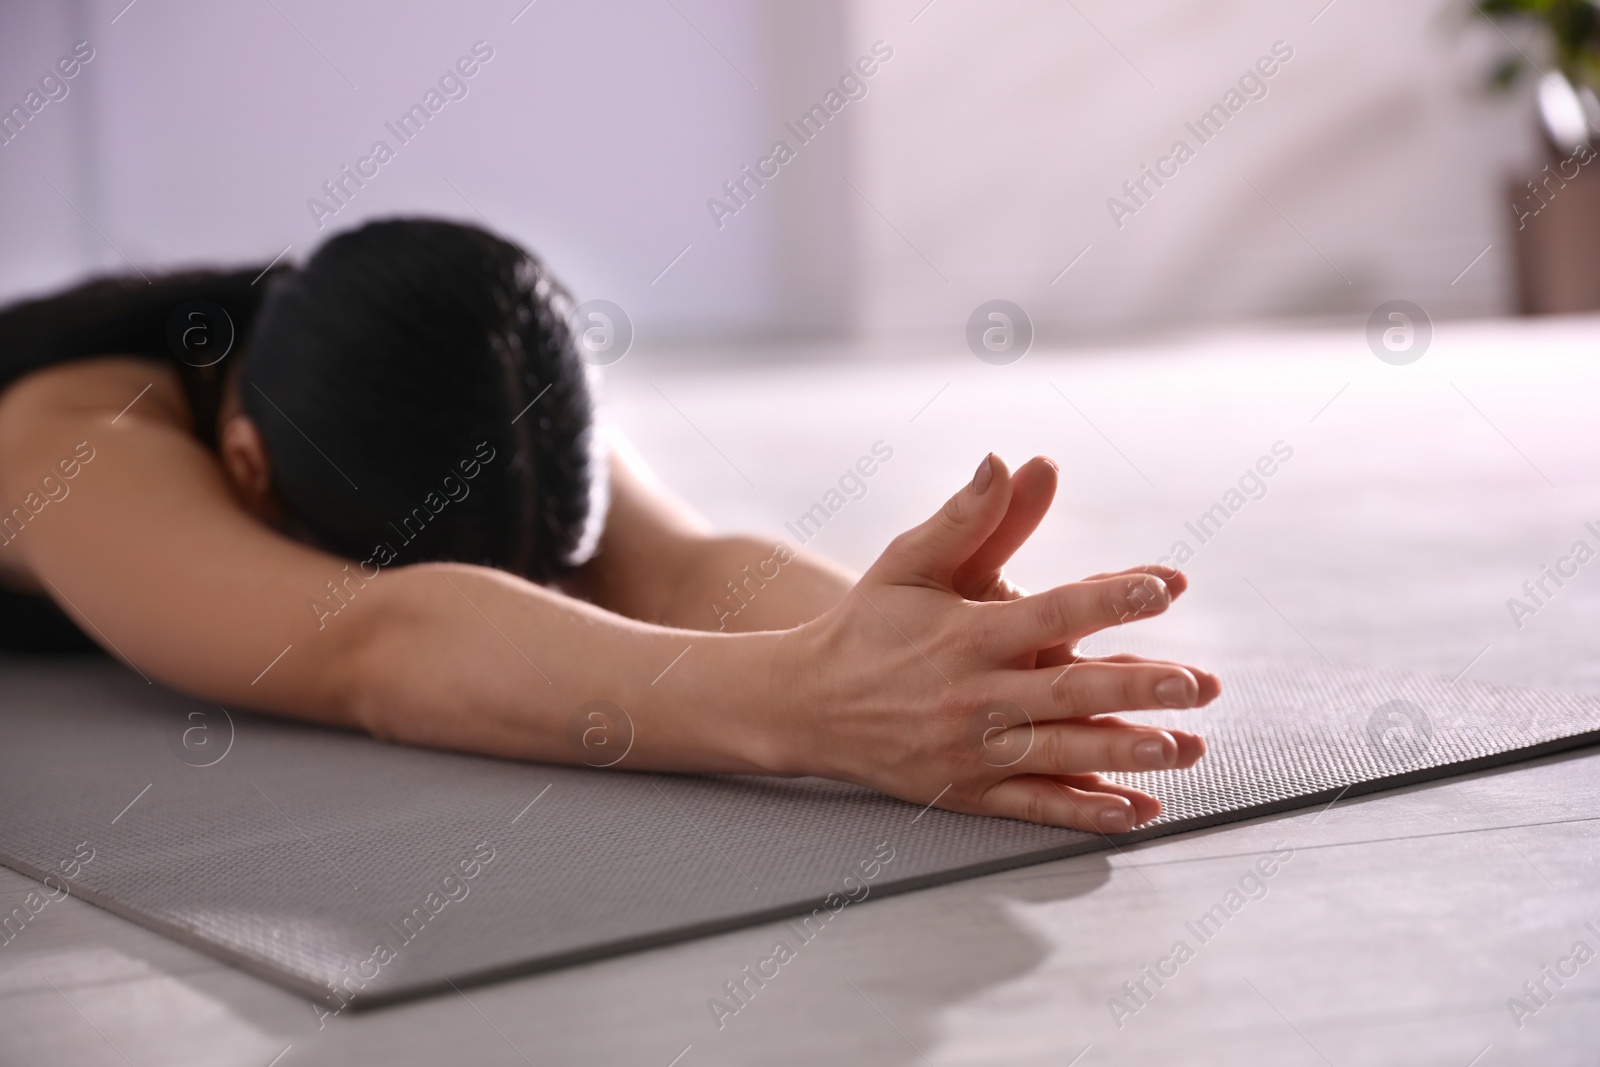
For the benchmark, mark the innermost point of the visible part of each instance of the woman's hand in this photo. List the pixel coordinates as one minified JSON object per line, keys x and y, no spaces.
{"x":937,"y":681}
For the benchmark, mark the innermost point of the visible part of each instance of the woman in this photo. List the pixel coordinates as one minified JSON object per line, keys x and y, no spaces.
{"x":388,"y":508}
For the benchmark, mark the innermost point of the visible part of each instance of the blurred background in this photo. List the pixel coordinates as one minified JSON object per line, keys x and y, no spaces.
{"x":1194,"y":314}
{"x":979,"y":160}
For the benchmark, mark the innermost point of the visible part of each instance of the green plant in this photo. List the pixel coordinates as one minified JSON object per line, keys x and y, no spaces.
{"x":1573,"y":27}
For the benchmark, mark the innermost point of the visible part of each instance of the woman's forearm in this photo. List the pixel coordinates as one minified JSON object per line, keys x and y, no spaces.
{"x":472,"y":659}
{"x":745,"y":584}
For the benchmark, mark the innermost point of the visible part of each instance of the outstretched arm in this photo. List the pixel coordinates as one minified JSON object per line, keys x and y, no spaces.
{"x":661,"y":561}
{"x":906,"y":685}
{"x":151,"y":553}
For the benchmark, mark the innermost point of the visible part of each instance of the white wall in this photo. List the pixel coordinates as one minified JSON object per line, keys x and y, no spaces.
{"x":1007,"y":126}
{"x":42,"y":238}
{"x":593,"y":135}
{"x":599,"y":130}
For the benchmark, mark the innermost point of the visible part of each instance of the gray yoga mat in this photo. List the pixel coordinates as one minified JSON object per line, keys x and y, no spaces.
{"x":359,"y":873}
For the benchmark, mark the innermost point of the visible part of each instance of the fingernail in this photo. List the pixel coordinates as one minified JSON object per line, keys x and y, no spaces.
{"x":1153,"y":753}
{"x":1152,"y":591}
{"x":1174,"y":692}
{"x":984,"y":475}
{"x":1114,"y":819}
{"x":1146,"y":594}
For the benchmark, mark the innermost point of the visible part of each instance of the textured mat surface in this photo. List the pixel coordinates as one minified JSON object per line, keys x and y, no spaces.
{"x":358,"y":872}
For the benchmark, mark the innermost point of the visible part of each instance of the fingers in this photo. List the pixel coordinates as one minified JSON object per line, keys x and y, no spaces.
{"x":1210,"y":684}
{"x":1069,"y":613}
{"x":1081,"y":802}
{"x":1033,"y":489}
{"x":1176,"y":580}
{"x":1083,"y":689}
{"x":1059,"y":655}
{"x":1066,"y":656}
{"x":1145,"y":806}
{"x":931,"y":552}
{"x":1190,"y":746}
{"x":1079,"y":748}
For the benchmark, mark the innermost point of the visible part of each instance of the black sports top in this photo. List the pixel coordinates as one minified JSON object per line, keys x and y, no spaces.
{"x":115,"y":316}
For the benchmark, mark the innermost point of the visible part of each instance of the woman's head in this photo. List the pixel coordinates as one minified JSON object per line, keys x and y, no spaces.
{"x":416,"y":384}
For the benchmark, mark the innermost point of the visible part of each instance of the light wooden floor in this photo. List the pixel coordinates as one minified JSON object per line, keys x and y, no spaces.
{"x":1415,"y":504}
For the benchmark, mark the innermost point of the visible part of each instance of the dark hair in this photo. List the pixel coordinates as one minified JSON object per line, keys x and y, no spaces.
{"x":128,"y":315}
{"x":409,"y":352}
{"x":416,"y":385}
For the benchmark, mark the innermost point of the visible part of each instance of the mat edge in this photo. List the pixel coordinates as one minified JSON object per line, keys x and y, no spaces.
{"x":257,"y":967}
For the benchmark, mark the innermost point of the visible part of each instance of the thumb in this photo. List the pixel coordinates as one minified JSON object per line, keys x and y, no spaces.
{"x":931,"y":552}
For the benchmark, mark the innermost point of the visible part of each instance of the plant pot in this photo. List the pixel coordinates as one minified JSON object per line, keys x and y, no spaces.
{"x":1556,"y":232}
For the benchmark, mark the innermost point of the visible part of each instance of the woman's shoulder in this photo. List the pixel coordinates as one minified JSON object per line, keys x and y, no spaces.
{"x":92,"y":386}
